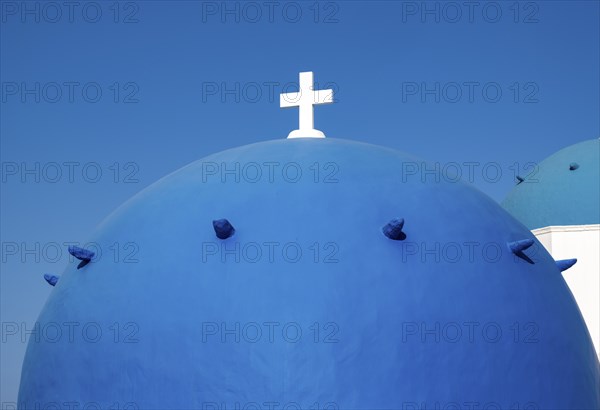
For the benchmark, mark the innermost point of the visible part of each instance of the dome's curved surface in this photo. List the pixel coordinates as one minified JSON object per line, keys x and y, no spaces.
{"x":564,"y":189}
{"x":358,"y":321}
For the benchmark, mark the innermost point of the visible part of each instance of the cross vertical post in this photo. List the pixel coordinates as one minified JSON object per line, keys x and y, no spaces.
{"x":305,"y":99}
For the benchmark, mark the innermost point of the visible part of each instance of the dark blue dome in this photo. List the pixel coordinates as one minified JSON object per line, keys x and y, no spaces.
{"x":564,"y":189}
{"x":435,"y":308}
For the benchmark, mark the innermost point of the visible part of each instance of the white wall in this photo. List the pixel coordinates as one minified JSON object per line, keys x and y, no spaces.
{"x":581,"y":242}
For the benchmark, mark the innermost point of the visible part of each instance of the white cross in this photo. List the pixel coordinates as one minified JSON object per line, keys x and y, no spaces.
{"x":305,"y":99}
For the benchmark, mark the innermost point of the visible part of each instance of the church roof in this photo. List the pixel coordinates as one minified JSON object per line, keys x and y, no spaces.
{"x":564,"y":189}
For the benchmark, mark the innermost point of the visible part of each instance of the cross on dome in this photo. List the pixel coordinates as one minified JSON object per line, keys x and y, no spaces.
{"x":306,"y":98}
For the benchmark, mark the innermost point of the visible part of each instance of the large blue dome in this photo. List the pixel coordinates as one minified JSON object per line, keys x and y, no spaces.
{"x":345,"y":318}
{"x":564,"y":189}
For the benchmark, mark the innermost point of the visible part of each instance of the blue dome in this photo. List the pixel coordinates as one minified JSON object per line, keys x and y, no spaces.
{"x":434,"y":309}
{"x":564,"y":189}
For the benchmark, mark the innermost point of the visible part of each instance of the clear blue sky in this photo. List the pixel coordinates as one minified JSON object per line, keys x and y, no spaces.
{"x":163,"y":68}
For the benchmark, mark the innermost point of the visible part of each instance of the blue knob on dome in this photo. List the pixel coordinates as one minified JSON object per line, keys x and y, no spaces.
{"x":519,"y":246}
{"x":51,"y":279}
{"x":223,"y":228}
{"x":565,"y":264}
{"x":573,"y":166}
{"x":84,"y":255}
{"x":393,"y":229}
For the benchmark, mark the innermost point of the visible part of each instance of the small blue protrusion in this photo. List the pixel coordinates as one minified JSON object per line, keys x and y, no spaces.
{"x":565,"y":264}
{"x":84,"y":255}
{"x":223,"y":228}
{"x":517,"y":247}
{"x":51,"y":279}
{"x":573,"y":166}
{"x":393,"y":229}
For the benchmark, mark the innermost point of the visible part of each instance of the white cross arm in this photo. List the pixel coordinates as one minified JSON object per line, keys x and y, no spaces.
{"x":289,"y":100}
{"x":323,"y":96}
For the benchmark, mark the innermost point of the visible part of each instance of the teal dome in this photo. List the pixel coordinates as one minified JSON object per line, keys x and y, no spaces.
{"x":564,"y":189}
